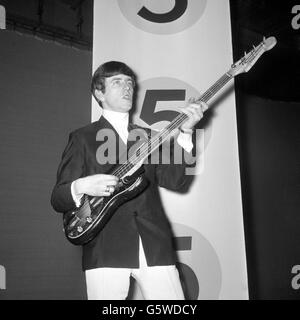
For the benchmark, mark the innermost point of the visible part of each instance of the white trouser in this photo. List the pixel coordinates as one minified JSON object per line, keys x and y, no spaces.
{"x":156,"y":283}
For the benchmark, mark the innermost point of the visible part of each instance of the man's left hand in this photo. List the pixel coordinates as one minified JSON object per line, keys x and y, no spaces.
{"x":195,"y":113}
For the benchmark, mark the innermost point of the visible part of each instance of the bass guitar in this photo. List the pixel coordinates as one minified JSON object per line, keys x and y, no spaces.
{"x":83,"y":224}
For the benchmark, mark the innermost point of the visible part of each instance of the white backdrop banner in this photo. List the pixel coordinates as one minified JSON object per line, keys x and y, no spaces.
{"x":179,"y":48}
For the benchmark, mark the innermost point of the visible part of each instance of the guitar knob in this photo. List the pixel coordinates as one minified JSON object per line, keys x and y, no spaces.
{"x":79,"y":229}
{"x":126,"y":180}
{"x":89,"y":219}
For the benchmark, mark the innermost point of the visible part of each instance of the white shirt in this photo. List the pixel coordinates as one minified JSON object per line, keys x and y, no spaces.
{"x":119,"y":120}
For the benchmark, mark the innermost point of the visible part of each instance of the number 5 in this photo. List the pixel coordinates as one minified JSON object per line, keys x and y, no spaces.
{"x":148,"y":113}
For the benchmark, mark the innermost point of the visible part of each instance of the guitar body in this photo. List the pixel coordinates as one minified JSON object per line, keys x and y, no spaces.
{"x":83,"y":224}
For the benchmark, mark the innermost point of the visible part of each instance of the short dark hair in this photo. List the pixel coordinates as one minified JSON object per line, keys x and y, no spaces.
{"x":106,"y":70}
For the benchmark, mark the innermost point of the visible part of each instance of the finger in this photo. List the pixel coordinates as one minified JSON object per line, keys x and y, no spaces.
{"x":187,"y":111}
{"x":193,"y":111}
{"x":108,"y":183}
{"x":106,"y":178}
{"x":106,"y":188}
{"x":194,"y":105}
{"x":100,"y":192}
{"x":104,"y":191}
{"x":191,"y":100}
{"x":109,"y":177}
{"x":194,"y":108}
{"x":196,"y":112}
{"x":204,"y":106}
{"x":111,"y":189}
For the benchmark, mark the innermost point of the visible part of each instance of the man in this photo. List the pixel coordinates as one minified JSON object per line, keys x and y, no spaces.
{"x":137,"y":240}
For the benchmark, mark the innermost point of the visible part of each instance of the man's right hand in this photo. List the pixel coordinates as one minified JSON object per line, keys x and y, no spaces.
{"x":102,"y":185}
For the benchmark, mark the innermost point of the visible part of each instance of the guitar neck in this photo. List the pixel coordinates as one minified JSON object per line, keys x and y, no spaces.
{"x":152,"y":144}
{"x":164,"y":134}
{"x":219,"y":84}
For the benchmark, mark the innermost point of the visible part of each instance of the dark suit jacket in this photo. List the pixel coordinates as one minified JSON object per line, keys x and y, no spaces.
{"x":117,"y":244}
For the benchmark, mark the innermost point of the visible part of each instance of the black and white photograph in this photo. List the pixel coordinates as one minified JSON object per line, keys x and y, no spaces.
{"x":150,"y":150}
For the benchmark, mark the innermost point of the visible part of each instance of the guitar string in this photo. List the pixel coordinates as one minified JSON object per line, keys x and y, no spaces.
{"x":220,"y":83}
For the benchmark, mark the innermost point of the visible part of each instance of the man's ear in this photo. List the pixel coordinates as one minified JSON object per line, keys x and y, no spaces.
{"x":99,"y":94}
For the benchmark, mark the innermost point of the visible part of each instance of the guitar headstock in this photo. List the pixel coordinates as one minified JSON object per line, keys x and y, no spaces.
{"x":250,"y":58}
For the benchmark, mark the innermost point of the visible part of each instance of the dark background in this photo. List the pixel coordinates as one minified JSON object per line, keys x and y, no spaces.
{"x":45,"y":70}
{"x":268,"y":114}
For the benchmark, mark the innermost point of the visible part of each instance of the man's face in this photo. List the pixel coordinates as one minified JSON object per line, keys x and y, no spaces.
{"x":118,"y":93}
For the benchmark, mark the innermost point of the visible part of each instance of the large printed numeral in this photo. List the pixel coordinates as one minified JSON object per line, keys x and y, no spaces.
{"x":188,"y":277}
{"x":177,"y":11}
{"x":148,"y":113}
